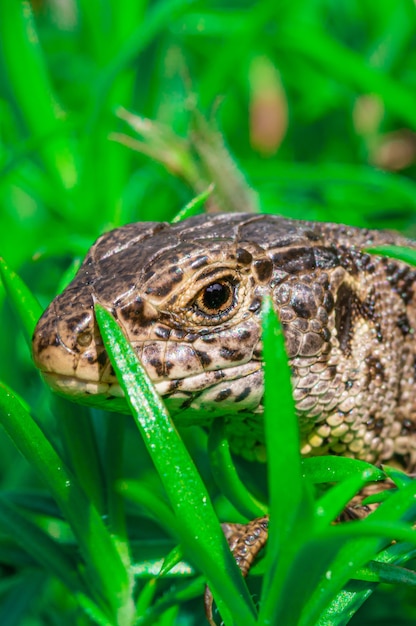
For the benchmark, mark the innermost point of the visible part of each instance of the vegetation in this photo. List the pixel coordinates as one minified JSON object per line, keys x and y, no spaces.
{"x":114,"y":112}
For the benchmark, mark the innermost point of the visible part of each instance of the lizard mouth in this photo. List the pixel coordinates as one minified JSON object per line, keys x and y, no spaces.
{"x":237,"y":387}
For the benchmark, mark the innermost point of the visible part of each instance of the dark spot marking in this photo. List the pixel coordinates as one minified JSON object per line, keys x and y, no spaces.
{"x":135,"y":313}
{"x":312,"y":234}
{"x":148,"y":275}
{"x":370,"y":422}
{"x":102,"y":358}
{"x":176,"y":274}
{"x":295,"y":260}
{"x":157,"y":365}
{"x":348,"y":260}
{"x":244,"y":256}
{"x":404,"y":324}
{"x":303,"y":301}
{"x":161,"y":290}
{"x":325,"y":258}
{"x":208,"y":338}
{"x":263,"y":269}
{"x":243,"y":395}
{"x":408,"y":427}
{"x":231,"y":355}
{"x":402,"y":279}
{"x":168,"y":366}
{"x":368,"y":311}
{"x":223,"y":395}
{"x":203,"y":357}
{"x":348,"y":384}
{"x":378,"y":426}
{"x":187,"y":403}
{"x":328,"y":302}
{"x":325,"y":333}
{"x":375,"y":369}
{"x":255,"y":305}
{"x":162,"y":332}
{"x":344,"y":316}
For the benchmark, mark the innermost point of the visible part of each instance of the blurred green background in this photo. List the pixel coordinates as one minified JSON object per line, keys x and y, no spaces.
{"x":315,"y":100}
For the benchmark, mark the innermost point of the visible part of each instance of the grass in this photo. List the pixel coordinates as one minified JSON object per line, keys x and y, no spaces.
{"x":86,"y":520}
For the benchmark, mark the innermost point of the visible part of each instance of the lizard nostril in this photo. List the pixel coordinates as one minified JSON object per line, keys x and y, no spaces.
{"x":84,"y":339}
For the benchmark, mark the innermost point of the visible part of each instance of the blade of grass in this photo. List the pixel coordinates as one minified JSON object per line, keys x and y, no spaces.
{"x":347,"y":66}
{"x":106,"y":573}
{"x":395,"y":252}
{"x":18,"y":32}
{"x":25,"y":304}
{"x":77,"y":434}
{"x":347,"y":602}
{"x":40,"y":546}
{"x":369,"y":533}
{"x":328,"y":469}
{"x":200,"y":532}
{"x":226,"y":476}
{"x":194,"y":206}
{"x":290,"y":502}
{"x":334,"y":501}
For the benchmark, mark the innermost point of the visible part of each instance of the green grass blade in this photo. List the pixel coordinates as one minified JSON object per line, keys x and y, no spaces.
{"x":281,"y":426}
{"x":408,"y":255}
{"x":24,"y":303}
{"x":39,"y":545}
{"x":334,"y":501}
{"x":387,"y":573}
{"x":194,"y":206}
{"x":200,"y":532}
{"x":21,"y":596}
{"x":106,"y":572}
{"x":328,"y":469}
{"x":79,"y":439}
{"x":290,"y":504}
{"x":18,"y":32}
{"x":348,"y":67}
{"x":370,"y":536}
{"x":147,"y":498}
{"x":226,"y":476}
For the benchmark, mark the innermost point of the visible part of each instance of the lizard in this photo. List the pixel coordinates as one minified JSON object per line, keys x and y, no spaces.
{"x":188,"y":297}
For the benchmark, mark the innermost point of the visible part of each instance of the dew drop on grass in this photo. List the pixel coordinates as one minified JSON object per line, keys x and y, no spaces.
{"x":328,"y":575}
{"x":67,"y":483}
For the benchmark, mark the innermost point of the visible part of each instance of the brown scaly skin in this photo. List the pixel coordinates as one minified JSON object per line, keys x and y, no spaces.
{"x":188,"y":297}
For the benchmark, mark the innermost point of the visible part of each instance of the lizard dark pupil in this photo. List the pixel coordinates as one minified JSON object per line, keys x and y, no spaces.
{"x":216,"y":295}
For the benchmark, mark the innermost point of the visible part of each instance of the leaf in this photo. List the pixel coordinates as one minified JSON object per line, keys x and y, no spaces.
{"x":226,"y":476}
{"x":25,"y":304}
{"x":193,"y":207}
{"x":106,"y":573}
{"x":291,"y":513}
{"x":327,"y":469}
{"x":199,"y":529}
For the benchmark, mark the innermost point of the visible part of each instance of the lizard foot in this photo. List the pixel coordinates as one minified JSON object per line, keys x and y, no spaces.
{"x":245,"y":541}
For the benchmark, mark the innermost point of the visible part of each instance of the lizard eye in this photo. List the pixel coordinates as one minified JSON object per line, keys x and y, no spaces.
{"x":216,"y":298}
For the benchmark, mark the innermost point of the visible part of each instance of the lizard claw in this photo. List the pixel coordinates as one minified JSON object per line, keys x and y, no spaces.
{"x":245,"y":542}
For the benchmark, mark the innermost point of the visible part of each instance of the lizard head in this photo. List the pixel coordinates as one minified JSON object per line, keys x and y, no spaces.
{"x":188,"y":297}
